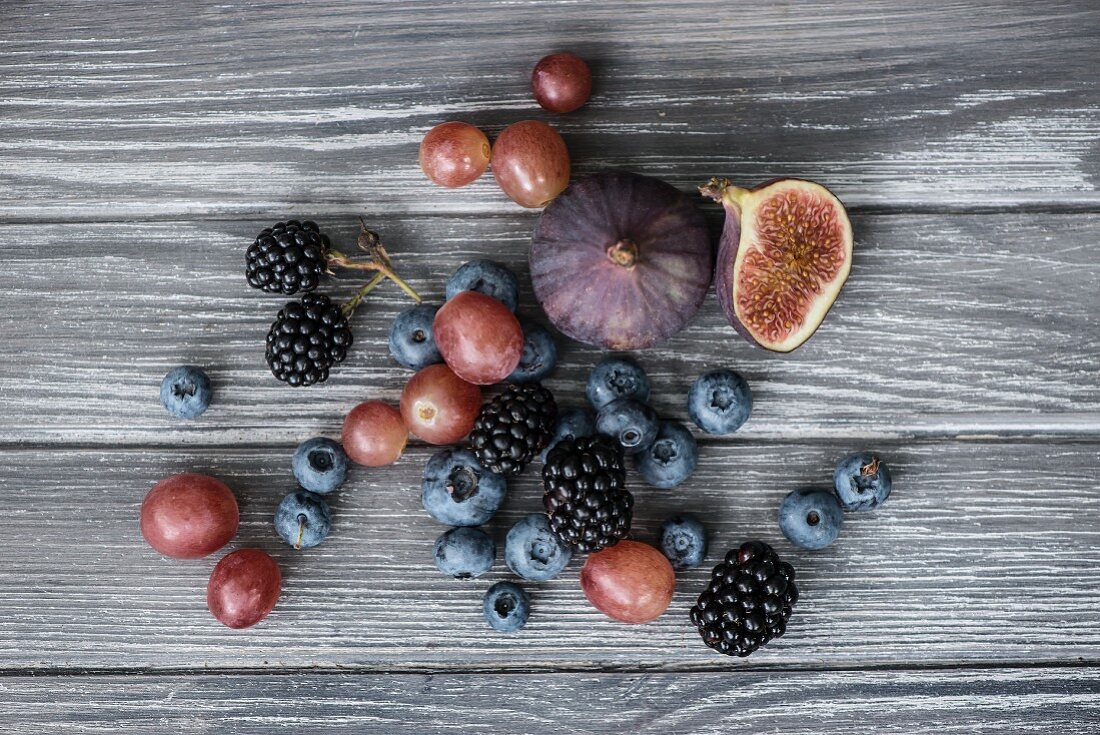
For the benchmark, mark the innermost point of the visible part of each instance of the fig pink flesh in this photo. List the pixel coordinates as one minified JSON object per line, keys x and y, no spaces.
{"x":620,"y":303}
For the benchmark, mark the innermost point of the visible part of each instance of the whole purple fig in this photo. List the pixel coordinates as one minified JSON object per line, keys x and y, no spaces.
{"x":621,"y":261}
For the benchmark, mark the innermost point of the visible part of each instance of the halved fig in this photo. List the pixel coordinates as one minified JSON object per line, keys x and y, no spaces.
{"x":785,"y":253}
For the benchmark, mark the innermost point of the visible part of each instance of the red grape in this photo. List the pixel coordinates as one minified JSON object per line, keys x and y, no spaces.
{"x":561,"y":82}
{"x":478,"y":337}
{"x":189,"y":516}
{"x":530,"y":163}
{"x":438,"y":406}
{"x":630,"y":582}
{"x":374,"y":434}
{"x":454,"y":154}
{"x":243,"y":588}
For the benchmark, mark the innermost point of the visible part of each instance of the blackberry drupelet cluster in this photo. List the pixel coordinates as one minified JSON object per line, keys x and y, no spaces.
{"x":586,"y":496}
{"x":748,"y":601}
{"x":513,"y":427}
{"x":287,"y":257}
{"x":308,"y":337}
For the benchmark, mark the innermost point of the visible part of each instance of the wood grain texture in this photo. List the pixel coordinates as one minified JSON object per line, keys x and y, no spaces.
{"x":1060,"y":701}
{"x":986,"y":552}
{"x":950,"y":326}
{"x":138,"y":110}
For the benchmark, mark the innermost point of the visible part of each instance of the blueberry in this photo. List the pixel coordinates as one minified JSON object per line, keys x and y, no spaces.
{"x":458,"y":491}
{"x":719,"y":402}
{"x":411,"y":342}
{"x":810,"y":519}
{"x":533,"y":551}
{"x":185,"y":392}
{"x":320,"y":465}
{"x":684,"y":541}
{"x":670,"y":459}
{"x":540,"y":353}
{"x":464,"y":552}
{"x":616,"y":377}
{"x":487,"y":277}
{"x":507,"y":607}
{"x":862,"y":482}
{"x":572,"y":422}
{"x":303,"y":519}
{"x":631,"y":423}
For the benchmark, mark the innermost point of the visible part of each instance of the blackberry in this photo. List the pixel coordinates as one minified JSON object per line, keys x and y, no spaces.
{"x":308,"y":337}
{"x":586,"y":496}
{"x":287,"y":257}
{"x":748,"y":601}
{"x":513,"y":427}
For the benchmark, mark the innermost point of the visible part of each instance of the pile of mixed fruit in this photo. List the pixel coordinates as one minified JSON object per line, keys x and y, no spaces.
{"x":618,"y":260}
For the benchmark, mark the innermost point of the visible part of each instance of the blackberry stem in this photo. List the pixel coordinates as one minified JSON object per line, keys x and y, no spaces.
{"x":353,"y":303}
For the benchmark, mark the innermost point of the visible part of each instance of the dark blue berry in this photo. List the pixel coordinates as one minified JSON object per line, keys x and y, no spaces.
{"x":464,"y":552}
{"x":810,"y":519}
{"x":487,"y":277}
{"x":533,"y":551}
{"x":185,"y":392}
{"x":507,"y":607}
{"x":458,"y":491}
{"x":670,"y":459}
{"x":719,"y":402}
{"x":540,"y":353}
{"x":320,"y":465}
{"x":631,"y":423}
{"x":303,"y":519}
{"x":616,"y":377}
{"x":572,"y":422}
{"x":684,"y":541}
{"x":411,"y":342}
{"x":862,"y":482}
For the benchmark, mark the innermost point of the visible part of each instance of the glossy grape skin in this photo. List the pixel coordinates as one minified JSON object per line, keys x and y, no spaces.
{"x":561,"y":82}
{"x":189,"y":516}
{"x":374,"y":434}
{"x":530,"y":163}
{"x":243,"y":588}
{"x":438,"y":406}
{"x":454,"y":154}
{"x":630,"y":582}
{"x":479,"y":338}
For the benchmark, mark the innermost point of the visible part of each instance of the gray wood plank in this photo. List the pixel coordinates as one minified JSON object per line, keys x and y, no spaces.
{"x":986,"y":553}
{"x":950,"y":325}
{"x":1061,"y":701}
{"x":138,"y":110}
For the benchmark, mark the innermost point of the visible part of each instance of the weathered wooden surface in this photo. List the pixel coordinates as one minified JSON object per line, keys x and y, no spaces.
{"x":135,"y":109}
{"x":143,"y":144}
{"x":1064,"y":701}
{"x":986,"y":552}
{"x":950,"y":325}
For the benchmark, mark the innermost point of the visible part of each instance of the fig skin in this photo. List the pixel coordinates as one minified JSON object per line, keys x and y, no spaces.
{"x":621,"y":261}
{"x":741,"y":204}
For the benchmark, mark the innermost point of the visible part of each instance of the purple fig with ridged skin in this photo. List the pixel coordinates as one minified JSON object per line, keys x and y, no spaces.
{"x":621,"y":261}
{"x":785,"y":253}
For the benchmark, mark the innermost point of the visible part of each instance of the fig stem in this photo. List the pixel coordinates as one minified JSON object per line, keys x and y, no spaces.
{"x":724,"y":192}
{"x":624,"y":253}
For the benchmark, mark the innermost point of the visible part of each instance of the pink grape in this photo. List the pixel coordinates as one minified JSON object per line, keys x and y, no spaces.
{"x":374,"y":434}
{"x":530,"y":163}
{"x":244,"y":588}
{"x":189,"y":516}
{"x":478,"y":337}
{"x":438,"y":406}
{"x":630,"y":582}
{"x":454,"y":154}
{"x":561,"y":82}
